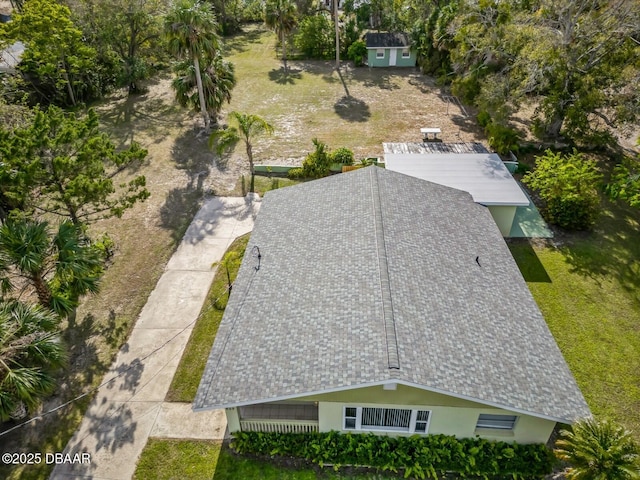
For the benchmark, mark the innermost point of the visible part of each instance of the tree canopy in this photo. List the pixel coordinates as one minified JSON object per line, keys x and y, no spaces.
{"x":191,"y":31}
{"x":280,"y":16}
{"x":57,"y":62}
{"x":30,"y":351}
{"x":62,"y":164}
{"x":127,"y":35}
{"x":577,"y":60}
{"x":58,"y":266}
{"x":218,"y":79}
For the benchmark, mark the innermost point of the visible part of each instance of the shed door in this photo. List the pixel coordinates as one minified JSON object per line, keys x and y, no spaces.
{"x":392,"y":57}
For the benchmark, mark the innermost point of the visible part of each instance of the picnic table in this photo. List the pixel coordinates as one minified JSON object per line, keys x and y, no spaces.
{"x":430,"y":134}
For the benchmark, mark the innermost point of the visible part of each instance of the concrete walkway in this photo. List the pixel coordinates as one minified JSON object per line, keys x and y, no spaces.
{"x":131,"y":408}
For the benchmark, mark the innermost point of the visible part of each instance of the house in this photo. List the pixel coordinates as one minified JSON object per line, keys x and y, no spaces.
{"x":390,"y":50}
{"x":482,"y":174}
{"x":376,"y":301}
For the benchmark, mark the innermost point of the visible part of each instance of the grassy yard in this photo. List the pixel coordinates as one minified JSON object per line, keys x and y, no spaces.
{"x":588,"y":288}
{"x":359,"y":108}
{"x":165,"y":459}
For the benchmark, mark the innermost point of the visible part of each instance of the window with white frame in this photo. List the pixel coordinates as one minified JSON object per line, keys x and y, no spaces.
{"x":380,"y":53}
{"x":496,"y":422}
{"x":386,"y":419}
{"x":406,"y":53}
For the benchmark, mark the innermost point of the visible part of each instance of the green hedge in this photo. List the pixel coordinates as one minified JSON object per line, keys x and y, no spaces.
{"x":419,"y":456}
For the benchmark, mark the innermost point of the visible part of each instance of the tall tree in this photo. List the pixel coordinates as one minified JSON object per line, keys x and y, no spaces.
{"x":30,"y":351}
{"x":280,"y":16}
{"x":191,"y":30}
{"x":598,"y":450}
{"x":56,"y":61}
{"x":578,"y":59}
{"x":129,"y":31}
{"x":245,"y":127}
{"x":62,"y":164}
{"x":58,"y":266}
{"x":218,"y":79}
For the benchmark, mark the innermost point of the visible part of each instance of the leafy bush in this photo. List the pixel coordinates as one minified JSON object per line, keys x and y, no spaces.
{"x":357,"y":52}
{"x":625,"y":182}
{"x":317,"y":164}
{"x":295,"y":173}
{"x":315,"y":37}
{"x":502,"y":139}
{"x":483,"y":118}
{"x":599,"y":449}
{"x":568,"y":185}
{"x":342,"y":155}
{"x":418,"y":456}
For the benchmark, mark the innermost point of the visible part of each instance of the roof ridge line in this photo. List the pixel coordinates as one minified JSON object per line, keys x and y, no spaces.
{"x":393,"y":357}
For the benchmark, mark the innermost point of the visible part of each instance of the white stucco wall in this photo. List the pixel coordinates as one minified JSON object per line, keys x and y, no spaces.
{"x":503,"y":216}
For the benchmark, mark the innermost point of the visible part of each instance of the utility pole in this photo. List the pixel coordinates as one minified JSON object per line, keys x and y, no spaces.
{"x":335,"y":19}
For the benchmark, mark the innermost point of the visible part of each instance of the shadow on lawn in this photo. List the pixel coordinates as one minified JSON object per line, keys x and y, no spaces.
{"x":528,"y":262}
{"x":611,"y":250}
{"x":352,"y":109}
{"x":191,"y":154}
{"x":239,"y":42}
{"x":124,"y":115}
{"x":285,"y":77}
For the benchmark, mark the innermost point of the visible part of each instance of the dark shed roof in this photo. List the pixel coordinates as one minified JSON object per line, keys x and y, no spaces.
{"x":387,"y":40}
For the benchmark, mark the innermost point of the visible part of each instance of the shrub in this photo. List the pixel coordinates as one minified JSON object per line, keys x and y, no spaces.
{"x":568,"y":186}
{"x":599,"y":449}
{"x":357,"y":52}
{"x":419,"y":456}
{"x":342,"y":155}
{"x":625,"y":182}
{"x":315,"y":37}
{"x":483,"y":118}
{"x":502,"y":139}
{"x":295,"y":173}
{"x":317,"y":164}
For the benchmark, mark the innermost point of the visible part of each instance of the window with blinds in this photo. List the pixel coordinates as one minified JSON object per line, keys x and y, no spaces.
{"x":497,"y":422}
{"x":386,"y":419}
{"x":392,"y":418}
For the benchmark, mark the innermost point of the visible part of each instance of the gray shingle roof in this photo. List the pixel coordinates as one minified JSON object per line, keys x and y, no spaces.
{"x":387,"y":40}
{"x":371,"y":270}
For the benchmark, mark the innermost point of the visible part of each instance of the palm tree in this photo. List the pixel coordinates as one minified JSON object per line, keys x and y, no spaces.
{"x":30,"y":350}
{"x":280,"y":16}
{"x":60,"y":268}
{"x":191,"y":30}
{"x":598,"y":450}
{"x":218,"y":79}
{"x":246,"y":128}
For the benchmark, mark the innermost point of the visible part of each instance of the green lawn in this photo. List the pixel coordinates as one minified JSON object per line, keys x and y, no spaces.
{"x":588,"y":289}
{"x":164,"y":459}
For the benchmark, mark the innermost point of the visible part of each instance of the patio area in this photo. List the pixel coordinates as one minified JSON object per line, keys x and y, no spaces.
{"x":528,"y":223}
{"x":279,"y":417}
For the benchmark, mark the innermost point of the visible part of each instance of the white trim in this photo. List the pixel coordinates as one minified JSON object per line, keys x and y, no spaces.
{"x":382,"y":382}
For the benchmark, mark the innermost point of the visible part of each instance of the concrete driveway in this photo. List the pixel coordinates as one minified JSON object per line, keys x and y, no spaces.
{"x":131,"y":408}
